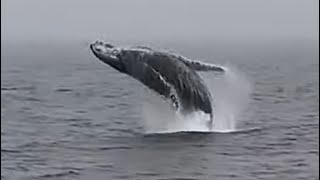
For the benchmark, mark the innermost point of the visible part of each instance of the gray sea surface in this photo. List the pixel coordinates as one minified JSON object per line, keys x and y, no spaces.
{"x":65,"y":115}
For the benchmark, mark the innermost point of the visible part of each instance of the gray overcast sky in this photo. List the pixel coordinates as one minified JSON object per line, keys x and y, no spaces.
{"x":23,"y":20}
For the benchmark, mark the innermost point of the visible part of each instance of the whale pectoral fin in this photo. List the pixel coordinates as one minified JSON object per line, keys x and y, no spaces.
{"x":152,"y":79}
{"x":200,"y":66}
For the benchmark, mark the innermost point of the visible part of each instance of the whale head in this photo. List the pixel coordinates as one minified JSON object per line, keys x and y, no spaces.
{"x":108,"y":54}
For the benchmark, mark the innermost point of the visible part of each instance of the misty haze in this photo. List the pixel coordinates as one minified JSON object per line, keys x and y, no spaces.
{"x":68,"y":114}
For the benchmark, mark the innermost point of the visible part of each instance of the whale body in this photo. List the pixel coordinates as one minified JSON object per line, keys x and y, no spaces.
{"x":172,"y":76}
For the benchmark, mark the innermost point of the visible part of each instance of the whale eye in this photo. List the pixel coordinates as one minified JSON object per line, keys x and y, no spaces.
{"x":98,"y":49}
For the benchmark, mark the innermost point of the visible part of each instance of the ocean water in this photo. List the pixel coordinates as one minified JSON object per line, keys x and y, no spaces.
{"x":65,"y":115}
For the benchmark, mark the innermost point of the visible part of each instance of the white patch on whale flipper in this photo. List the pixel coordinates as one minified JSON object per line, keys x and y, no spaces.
{"x":202,"y":66}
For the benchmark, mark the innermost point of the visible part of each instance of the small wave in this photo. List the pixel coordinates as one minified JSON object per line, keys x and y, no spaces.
{"x":110,"y":96}
{"x":64,"y":90}
{"x":8,"y":88}
{"x":147,"y":174}
{"x":60,"y":174}
{"x":17,"y":88}
{"x":33,"y":99}
{"x":10,"y":151}
{"x":115,"y":148}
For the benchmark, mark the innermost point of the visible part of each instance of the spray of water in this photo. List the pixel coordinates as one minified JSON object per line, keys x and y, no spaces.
{"x":230,"y":91}
{"x":231,"y":95}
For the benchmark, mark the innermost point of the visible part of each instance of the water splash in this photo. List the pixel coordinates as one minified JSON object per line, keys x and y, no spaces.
{"x":231,"y":94}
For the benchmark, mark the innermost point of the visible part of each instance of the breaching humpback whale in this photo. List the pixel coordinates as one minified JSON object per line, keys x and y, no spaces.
{"x":172,"y":76}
